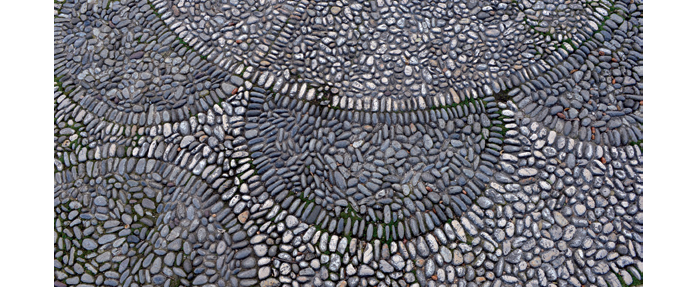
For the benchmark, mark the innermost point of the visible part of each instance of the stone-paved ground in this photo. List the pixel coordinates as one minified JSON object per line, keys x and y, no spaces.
{"x":348,"y":143}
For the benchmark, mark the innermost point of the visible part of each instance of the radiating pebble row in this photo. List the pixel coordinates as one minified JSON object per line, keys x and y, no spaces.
{"x":386,"y":176}
{"x":121,"y":222}
{"x":383,"y":53}
{"x":595,"y":93}
{"x":120,"y":62}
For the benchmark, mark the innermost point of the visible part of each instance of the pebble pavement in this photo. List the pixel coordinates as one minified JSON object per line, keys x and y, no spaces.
{"x":348,"y":143}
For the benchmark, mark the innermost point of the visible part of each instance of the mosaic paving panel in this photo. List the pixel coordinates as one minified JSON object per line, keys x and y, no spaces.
{"x":348,"y":143}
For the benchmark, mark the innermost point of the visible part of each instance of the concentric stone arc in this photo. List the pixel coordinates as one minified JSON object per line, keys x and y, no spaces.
{"x":348,"y":143}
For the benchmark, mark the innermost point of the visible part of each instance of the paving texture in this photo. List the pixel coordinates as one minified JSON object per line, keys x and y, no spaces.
{"x":348,"y":143}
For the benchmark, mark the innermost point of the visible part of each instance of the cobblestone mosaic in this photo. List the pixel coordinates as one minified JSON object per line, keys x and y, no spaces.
{"x":348,"y":143}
